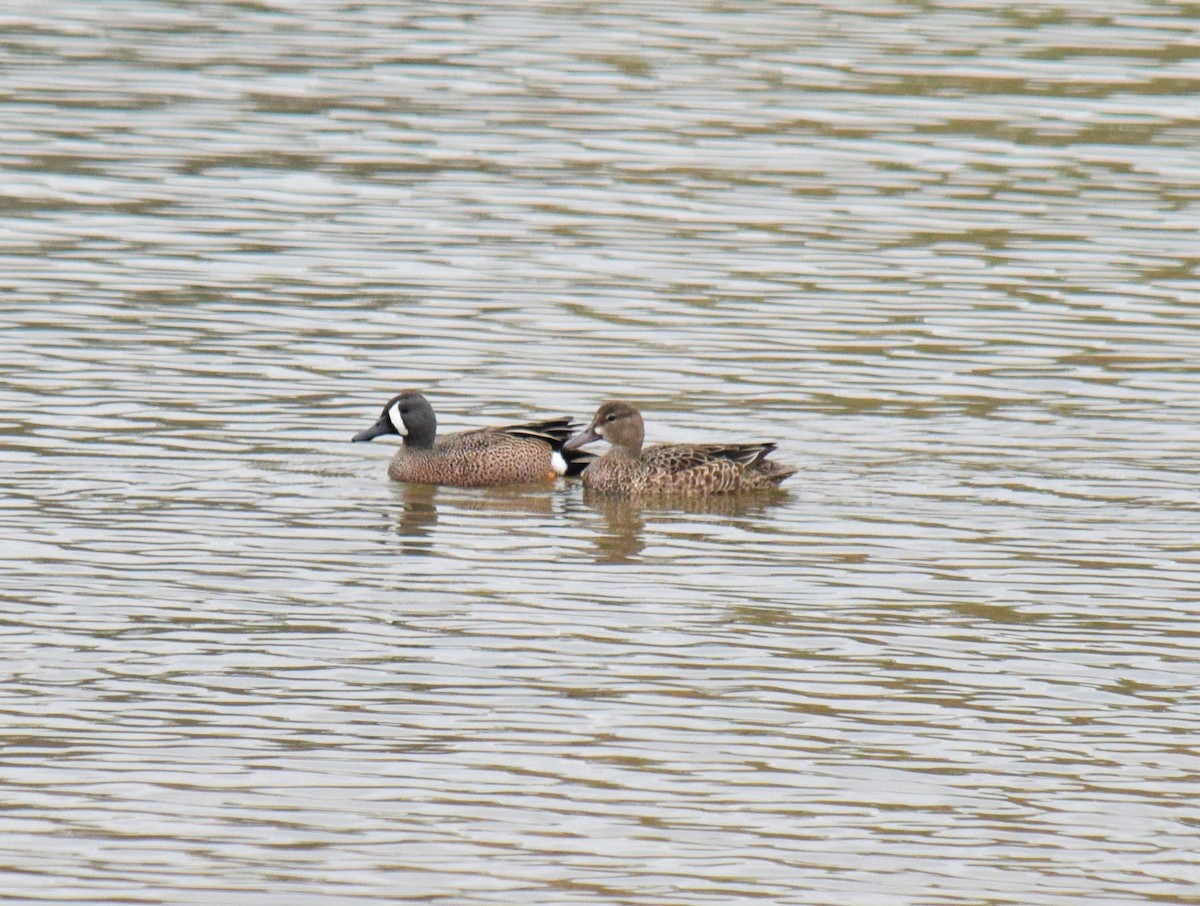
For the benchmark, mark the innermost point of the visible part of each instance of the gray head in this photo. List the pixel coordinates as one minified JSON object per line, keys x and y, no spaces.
{"x":407,"y":414}
{"x":617,"y":422}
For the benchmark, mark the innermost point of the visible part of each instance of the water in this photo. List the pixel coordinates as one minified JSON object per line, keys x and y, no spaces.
{"x":944,"y":255}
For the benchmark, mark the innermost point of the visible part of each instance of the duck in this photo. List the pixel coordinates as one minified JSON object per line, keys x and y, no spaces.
{"x":484,"y":457}
{"x":676,"y":469}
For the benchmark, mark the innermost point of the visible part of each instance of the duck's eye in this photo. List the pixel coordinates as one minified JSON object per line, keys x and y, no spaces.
{"x":612,"y":417}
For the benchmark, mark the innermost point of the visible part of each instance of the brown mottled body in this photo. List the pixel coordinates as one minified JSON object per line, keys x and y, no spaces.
{"x":681,"y":469}
{"x":687,"y":469}
{"x":490,"y":456}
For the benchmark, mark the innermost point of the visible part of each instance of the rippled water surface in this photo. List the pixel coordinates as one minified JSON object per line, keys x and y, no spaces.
{"x":943,"y":253}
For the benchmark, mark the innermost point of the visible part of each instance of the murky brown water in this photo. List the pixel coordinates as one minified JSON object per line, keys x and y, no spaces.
{"x":944,"y":254}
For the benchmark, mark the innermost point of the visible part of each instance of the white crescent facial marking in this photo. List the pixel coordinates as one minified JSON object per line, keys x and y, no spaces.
{"x":397,"y":420}
{"x":557,"y":463}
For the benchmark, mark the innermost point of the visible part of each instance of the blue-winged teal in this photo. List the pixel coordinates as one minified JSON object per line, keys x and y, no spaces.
{"x":513,"y":454}
{"x":686,"y":469}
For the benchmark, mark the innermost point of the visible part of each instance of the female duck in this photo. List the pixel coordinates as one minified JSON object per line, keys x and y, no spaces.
{"x":512,"y":454}
{"x":689,"y":469}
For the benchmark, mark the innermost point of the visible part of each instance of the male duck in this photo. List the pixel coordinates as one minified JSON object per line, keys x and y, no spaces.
{"x":513,"y":454}
{"x":686,"y":469}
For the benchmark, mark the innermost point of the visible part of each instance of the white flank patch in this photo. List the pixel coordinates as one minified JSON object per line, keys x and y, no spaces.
{"x":557,"y":463}
{"x":397,"y":420}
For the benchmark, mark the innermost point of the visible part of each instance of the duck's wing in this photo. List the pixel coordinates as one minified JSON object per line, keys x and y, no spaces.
{"x":553,"y":431}
{"x":682,"y":457}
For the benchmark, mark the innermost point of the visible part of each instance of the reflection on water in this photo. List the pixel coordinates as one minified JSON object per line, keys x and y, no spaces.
{"x":417,"y":517}
{"x":414,"y":511}
{"x":415,"y":508}
{"x":944,"y":254}
{"x":624,"y":519}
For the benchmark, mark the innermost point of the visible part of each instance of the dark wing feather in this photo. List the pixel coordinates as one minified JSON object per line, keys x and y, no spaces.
{"x":553,"y":431}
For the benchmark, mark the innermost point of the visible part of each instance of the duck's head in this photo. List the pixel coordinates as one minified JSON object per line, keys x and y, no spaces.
{"x":407,"y":414}
{"x":617,"y":422}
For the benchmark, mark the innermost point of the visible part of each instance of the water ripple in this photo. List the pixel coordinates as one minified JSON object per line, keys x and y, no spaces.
{"x":945,"y":257}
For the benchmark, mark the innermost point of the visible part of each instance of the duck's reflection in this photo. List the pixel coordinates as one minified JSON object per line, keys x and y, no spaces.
{"x":619,"y":538}
{"x":625,"y":517}
{"x":419,"y":503}
{"x":625,"y":524}
{"x":417,"y":517}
